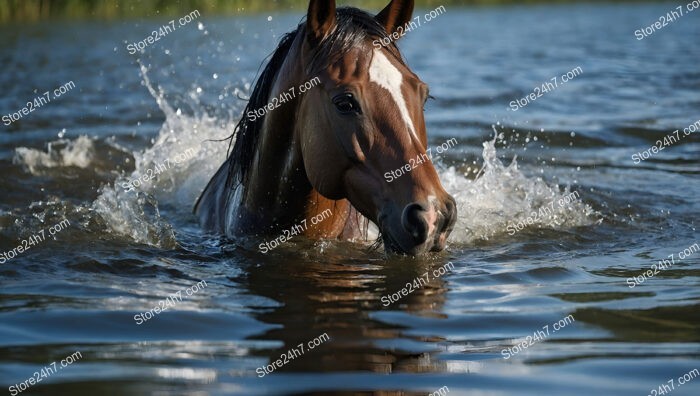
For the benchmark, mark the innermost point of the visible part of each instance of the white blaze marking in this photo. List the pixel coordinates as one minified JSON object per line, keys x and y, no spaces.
{"x":387,"y":76}
{"x":432,"y":215}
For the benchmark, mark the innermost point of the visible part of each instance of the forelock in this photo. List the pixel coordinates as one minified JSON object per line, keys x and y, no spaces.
{"x":354,"y":28}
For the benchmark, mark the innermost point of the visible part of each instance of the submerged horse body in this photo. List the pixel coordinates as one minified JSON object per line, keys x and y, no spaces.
{"x":328,"y":148}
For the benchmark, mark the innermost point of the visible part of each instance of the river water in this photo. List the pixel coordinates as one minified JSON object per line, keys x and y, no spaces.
{"x":543,"y":288}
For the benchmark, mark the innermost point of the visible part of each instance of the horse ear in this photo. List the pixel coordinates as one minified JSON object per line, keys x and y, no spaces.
{"x":320,"y":20}
{"x":397,"y":13}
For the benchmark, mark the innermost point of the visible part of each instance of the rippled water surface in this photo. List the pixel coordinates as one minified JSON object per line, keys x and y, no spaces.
{"x":556,"y":218}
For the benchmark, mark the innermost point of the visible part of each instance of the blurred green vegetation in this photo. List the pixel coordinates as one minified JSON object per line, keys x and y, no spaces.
{"x":35,"y":10}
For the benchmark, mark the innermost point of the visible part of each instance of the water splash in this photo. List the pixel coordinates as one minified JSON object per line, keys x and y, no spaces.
{"x":60,"y":153}
{"x":185,"y":154}
{"x":501,"y":200}
{"x":173,"y":171}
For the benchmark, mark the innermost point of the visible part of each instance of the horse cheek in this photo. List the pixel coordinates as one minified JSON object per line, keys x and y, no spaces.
{"x":324,"y":168}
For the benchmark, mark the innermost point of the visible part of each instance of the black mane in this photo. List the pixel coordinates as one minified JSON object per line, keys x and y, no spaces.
{"x":353,"y":28}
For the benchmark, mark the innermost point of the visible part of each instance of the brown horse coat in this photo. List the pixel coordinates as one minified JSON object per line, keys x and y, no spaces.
{"x":329,"y":148}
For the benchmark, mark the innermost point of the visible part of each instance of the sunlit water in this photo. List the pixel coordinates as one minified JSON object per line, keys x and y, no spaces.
{"x":554,"y":216}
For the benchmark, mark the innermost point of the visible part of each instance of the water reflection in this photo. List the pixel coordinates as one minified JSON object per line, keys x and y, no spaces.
{"x":329,"y":293}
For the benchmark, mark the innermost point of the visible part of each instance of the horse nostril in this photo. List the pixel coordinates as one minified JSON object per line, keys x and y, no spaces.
{"x":451,"y":215}
{"x":414,"y":221}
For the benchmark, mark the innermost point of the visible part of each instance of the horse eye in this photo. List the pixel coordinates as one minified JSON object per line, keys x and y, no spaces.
{"x":346,"y":104}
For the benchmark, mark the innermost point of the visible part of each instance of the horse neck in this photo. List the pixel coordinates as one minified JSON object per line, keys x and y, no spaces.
{"x":277,"y":190}
{"x":278,"y":194}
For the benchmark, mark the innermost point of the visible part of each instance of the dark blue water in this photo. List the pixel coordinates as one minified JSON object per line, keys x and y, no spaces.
{"x":123,"y":253}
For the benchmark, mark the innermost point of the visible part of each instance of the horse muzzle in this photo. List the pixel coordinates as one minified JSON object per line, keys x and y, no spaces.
{"x":419,"y":227}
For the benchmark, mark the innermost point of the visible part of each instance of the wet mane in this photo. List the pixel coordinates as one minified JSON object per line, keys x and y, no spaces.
{"x":353,"y":28}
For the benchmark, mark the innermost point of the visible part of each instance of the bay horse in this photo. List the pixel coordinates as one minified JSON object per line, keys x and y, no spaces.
{"x":329,"y":147}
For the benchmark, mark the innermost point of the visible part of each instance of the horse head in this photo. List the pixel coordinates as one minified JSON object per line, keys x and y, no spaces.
{"x":303,"y":148}
{"x":365,"y":120}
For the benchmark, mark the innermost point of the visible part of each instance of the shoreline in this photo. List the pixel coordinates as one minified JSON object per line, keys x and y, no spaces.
{"x":31,"y":11}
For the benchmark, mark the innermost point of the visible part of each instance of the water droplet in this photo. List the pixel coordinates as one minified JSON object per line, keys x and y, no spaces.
{"x":199,"y":90}
{"x":200,"y":26}
{"x":269,"y":18}
{"x":215,"y":76}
